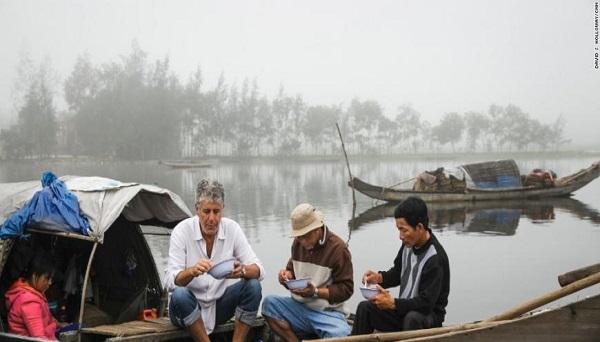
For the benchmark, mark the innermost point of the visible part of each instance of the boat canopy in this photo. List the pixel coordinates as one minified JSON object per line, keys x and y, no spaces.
{"x":493,"y":174}
{"x":101,"y":201}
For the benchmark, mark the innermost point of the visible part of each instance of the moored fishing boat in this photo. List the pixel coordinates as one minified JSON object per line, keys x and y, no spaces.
{"x":189,"y":163}
{"x":496,"y":180}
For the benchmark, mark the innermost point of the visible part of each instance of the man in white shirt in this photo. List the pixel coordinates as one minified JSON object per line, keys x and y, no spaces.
{"x":199,"y":301}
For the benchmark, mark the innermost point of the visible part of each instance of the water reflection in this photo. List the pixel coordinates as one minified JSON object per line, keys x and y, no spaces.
{"x":260,"y":195}
{"x":488,"y":217}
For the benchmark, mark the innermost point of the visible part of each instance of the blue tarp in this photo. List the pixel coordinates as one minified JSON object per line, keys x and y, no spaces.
{"x":52,"y":208}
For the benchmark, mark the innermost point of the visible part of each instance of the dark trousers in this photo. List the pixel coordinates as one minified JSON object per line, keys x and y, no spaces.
{"x":369,"y":318}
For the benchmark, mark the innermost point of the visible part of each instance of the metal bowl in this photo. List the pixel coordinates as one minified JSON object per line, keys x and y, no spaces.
{"x":297,"y":284}
{"x":369,"y":292}
{"x":222,"y":269}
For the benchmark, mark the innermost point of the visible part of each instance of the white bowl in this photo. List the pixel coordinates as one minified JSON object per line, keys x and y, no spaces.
{"x":369,"y":292}
{"x":297,"y":284}
{"x":222,"y":269}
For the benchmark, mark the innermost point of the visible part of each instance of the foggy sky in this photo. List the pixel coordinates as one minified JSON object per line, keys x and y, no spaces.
{"x":438,"y":56}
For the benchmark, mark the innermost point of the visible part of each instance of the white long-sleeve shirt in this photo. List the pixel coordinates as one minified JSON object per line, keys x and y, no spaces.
{"x":187,"y":246}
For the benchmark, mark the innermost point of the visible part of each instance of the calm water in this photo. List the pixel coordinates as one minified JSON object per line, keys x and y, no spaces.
{"x":500,"y":256}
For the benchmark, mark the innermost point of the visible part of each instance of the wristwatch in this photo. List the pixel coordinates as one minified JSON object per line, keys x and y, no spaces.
{"x":244,"y":271}
{"x":316,"y":294}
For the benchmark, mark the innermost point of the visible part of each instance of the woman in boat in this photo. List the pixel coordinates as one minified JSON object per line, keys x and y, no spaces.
{"x":28,"y":311}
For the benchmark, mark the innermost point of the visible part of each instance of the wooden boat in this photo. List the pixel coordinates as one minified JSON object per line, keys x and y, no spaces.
{"x":485,"y":184}
{"x":488,"y":217}
{"x":577,"y":321}
{"x":121,"y":291}
{"x":188,"y":163}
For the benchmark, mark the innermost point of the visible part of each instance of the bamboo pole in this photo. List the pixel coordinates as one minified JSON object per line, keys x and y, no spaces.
{"x":349,"y":172}
{"x":547,"y":298}
{"x":86,"y":280}
{"x":404,"y":335}
{"x":580,"y":273}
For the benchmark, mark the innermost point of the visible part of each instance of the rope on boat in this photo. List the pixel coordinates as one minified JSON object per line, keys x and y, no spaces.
{"x":406,"y":181}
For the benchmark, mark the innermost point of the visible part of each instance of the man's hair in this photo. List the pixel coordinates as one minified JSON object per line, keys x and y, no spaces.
{"x":210,"y":189}
{"x":414,"y":210}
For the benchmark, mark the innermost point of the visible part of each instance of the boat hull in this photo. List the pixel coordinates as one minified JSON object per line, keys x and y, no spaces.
{"x":575,"y":322}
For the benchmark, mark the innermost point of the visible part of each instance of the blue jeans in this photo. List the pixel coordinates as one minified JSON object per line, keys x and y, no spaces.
{"x":240,"y":300}
{"x":304,"y":320}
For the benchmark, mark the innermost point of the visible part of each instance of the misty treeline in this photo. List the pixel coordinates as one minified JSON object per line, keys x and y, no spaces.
{"x":133,"y":109}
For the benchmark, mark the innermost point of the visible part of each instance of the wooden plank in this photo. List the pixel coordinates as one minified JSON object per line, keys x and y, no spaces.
{"x":160,"y":329}
{"x":155,"y":337}
{"x":257,"y":330}
{"x":133,"y":328}
{"x":63,"y":234}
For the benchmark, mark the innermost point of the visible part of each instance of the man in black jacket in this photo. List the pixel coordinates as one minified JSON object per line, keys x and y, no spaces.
{"x":422,"y":271}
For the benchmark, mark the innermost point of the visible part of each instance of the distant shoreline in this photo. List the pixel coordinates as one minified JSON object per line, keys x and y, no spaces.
{"x":340,"y":158}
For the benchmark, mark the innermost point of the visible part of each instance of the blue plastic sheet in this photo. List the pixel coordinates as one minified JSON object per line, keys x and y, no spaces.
{"x":52,"y":208}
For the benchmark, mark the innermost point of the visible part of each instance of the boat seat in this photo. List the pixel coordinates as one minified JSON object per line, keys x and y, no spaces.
{"x":161,"y":329}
